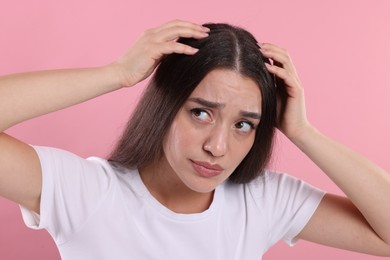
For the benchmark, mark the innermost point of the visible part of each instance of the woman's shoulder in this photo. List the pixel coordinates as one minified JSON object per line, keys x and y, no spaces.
{"x":275,"y":183}
{"x":270,"y":177}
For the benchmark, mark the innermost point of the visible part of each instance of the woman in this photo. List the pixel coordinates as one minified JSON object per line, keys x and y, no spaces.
{"x":187,"y":179}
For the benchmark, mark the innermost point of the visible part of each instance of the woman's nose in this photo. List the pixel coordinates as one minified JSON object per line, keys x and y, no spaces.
{"x":217,"y":142}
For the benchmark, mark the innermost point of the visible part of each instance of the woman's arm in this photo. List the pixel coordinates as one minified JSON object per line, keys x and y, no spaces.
{"x":359,"y":222}
{"x":28,"y":95}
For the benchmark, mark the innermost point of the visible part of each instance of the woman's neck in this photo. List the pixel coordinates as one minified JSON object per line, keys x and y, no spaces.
{"x":165,"y":186}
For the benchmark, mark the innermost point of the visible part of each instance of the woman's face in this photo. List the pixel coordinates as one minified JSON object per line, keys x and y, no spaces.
{"x":214,"y":130}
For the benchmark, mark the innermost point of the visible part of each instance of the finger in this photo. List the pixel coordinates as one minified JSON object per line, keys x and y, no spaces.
{"x":290,"y":81}
{"x":192,"y":25}
{"x":280,"y":58}
{"x":176,"y":47}
{"x":279,"y":81}
{"x":173,"y":33}
{"x":180,"y":23}
{"x":278,"y":53}
{"x":273,"y":47}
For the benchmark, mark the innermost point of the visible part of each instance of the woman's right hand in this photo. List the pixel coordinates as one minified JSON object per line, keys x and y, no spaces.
{"x":146,"y":53}
{"x":27,"y":95}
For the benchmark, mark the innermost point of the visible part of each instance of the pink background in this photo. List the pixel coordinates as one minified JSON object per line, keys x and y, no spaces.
{"x":341,"y":49}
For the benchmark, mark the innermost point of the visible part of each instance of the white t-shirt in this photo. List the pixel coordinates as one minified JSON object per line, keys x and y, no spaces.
{"x":96,"y":211}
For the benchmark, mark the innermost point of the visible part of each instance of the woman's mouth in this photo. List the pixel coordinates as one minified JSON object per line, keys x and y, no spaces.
{"x":206,"y":169}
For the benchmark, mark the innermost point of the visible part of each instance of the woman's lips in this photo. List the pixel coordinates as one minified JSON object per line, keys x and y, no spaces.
{"x":206,"y":169}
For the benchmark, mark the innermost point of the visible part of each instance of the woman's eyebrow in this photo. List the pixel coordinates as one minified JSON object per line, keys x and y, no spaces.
{"x":207,"y":103}
{"x":253,"y":115}
{"x":210,"y":104}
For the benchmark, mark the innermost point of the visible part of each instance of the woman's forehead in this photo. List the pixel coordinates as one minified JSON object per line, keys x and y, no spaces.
{"x":227,"y":87}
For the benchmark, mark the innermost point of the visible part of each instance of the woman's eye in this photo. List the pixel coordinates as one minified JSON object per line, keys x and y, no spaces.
{"x":200,"y":114}
{"x":245,"y":127}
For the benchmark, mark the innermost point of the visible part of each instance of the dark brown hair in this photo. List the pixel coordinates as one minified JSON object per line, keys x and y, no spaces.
{"x":177,"y":76}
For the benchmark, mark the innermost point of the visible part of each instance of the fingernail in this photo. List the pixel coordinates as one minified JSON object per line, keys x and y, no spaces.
{"x":205,"y":29}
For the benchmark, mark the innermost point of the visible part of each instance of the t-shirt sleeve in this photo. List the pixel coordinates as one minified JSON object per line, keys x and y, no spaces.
{"x":290,"y":205}
{"x":72,"y":188}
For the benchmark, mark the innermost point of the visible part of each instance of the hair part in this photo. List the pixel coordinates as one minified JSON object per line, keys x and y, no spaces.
{"x":176,"y":77}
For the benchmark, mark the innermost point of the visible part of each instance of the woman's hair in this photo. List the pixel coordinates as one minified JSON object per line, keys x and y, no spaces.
{"x":226,"y":47}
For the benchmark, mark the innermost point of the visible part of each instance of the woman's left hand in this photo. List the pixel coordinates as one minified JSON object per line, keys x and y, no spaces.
{"x":292,"y":120}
